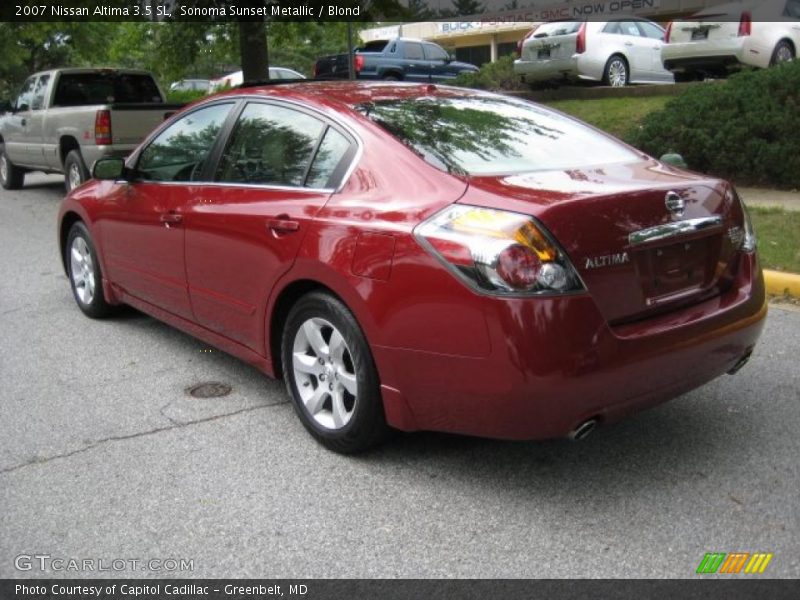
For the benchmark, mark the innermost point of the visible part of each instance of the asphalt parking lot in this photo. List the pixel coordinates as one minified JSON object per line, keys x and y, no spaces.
{"x":104,"y":455}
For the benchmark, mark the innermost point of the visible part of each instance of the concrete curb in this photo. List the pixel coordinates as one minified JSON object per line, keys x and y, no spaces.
{"x":779,"y":283}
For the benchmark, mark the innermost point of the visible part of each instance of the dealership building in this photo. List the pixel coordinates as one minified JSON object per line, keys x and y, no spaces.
{"x":494,"y":33}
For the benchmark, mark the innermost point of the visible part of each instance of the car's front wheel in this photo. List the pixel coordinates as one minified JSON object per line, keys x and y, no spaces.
{"x":616,"y":72}
{"x":11,"y":176}
{"x":331,"y":376}
{"x":75,"y":171}
{"x":85,"y":276}
{"x":784,"y":52}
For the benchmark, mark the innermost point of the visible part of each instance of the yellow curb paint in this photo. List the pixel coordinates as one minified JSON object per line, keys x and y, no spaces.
{"x":779,"y":283}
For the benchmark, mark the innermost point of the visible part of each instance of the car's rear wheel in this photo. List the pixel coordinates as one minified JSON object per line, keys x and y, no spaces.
{"x":85,"y":276}
{"x":331,"y":376}
{"x":11,"y":176}
{"x":616,"y":72}
{"x":784,"y":52}
{"x":75,"y":171}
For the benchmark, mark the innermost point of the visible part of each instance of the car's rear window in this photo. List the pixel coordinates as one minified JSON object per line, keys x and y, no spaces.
{"x":494,"y":135}
{"x":557,"y":28}
{"x":376,"y":46}
{"x":77,"y":89}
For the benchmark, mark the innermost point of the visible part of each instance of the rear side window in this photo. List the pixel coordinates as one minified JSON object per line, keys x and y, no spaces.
{"x":270,"y":145}
{"x":413,"y":51}
{"x":179,"y":152}
{"x":482,"y":135}
{"x":652,"y":30}
{"x":792,"y":9}
{"x":105,"y":87}
{"x":329,"y":157}
{"x":622,"y":28}
{"x":376,"y":46}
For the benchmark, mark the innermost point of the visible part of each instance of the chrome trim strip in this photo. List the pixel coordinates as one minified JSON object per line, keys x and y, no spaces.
{"x":670,"y":230}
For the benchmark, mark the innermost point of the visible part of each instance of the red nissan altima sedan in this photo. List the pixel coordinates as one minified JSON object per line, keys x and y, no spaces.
{"x":423,"y":257}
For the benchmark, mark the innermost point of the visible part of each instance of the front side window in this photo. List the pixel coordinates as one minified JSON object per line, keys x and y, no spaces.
{"x":487,"y":135}
{"x":792,"y":9}
{"x":652,"y":30}
{"x":270,"y":145}
{"x":25,"y":98}
{"x":39,"y":91}
{"x":179,"y":152}
{"x":433,"y":52}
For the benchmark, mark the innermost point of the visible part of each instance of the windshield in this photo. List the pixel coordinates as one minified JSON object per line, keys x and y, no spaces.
{"x":494,"y":135}
{"x":76,"y":89}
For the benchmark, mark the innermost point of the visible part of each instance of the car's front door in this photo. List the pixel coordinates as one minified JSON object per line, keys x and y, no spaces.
{"x":142,"y":224}
{"x":417,"y":67}
{"x":654,"y":36}
{"x":243,"y":231}
{"x":15,"y":140}
{"x":439,"y":62}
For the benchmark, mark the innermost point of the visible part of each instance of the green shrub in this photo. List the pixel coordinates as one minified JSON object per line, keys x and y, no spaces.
{"x":498,"y":75}
{"x":746,"y":128}
{"x":184,"y":96}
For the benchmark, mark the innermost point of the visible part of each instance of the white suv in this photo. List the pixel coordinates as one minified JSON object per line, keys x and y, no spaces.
{"x":725,"y":37}
{"x":616,"y":52}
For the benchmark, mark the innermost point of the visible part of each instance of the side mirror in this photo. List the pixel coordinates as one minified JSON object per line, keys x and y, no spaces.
{"x":675,"y":160}
{"x":450,"y":58}
{"x":108,"y":168}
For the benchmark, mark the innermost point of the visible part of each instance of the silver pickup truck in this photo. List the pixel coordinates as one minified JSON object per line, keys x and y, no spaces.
{"x":63,"y":120}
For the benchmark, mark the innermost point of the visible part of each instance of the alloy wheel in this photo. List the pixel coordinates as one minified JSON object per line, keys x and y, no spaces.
{"x":784,"y":54}
{"x":324,"y":373}
{"x":3,"y":167}
{"x":74,"y":177}
{"x":617,"y":73}
{"x":82,"y":270}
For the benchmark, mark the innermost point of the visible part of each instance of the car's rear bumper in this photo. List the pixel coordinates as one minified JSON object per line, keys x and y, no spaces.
{"x":555,"y":362}
{"x":712,"y":56}
{"x":576,"y":67}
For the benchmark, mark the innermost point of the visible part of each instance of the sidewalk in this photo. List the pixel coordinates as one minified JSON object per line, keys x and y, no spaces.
{"x":774,"y":198}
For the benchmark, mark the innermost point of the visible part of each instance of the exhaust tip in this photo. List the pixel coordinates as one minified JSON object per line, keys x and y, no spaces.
{"x":741,"y":362}
{"x":582,"y":431}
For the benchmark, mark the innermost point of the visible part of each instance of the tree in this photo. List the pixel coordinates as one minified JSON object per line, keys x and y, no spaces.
{"x":468,"y":7}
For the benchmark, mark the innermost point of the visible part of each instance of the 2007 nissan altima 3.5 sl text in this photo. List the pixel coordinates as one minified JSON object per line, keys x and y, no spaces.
{"x":423,"y":257}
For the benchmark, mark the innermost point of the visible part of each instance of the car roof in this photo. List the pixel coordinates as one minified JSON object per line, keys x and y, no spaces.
{"x":352,"y":93}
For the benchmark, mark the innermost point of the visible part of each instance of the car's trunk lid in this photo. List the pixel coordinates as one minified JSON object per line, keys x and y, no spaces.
{"x":634,"y":255}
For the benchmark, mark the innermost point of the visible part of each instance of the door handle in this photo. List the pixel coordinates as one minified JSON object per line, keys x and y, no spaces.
{"x":171,"y":218}
{"x":629,"y":43}
{"x":283,"y":224}
{"x":24,"y":121}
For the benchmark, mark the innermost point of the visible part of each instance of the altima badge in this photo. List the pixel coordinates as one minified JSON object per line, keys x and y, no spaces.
{"x":607,"y":260}
{"x":675,"y":204}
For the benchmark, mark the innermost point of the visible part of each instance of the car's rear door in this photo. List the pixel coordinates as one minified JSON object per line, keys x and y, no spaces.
{"x":277,"y":168}
{"x":636,"y":48}
{"x":16,"y":141}
{"x":142,"y":223}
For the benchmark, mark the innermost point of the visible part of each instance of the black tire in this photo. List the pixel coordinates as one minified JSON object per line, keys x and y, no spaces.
{"x":783,"y":52}
{"x":96,"y":306}
{"x":12,"y":177}
{"x":74,"y":170}
{"x":685,"y":76}
{"x":366,"y":426}
{"x":610,"y":78}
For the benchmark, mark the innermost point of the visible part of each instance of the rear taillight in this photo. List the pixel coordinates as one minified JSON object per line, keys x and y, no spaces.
{"x":358,"y":61}
{"x":498,"y":252}
{"x":668,"y":32}
{"x":523,"y":40}
{"x":102,"y":128}
{"x":745,"y":24}
{"x":580,"y":42}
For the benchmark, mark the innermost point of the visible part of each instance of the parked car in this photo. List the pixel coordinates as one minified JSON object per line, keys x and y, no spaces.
{"x":189,"y":85}
{"x":423,"y":257}
{"x":727,"y":37}
{"x":401,"y":59}
{"x":616,"y":52}
{"x":237,"y":78}
{"x":63,"y":120}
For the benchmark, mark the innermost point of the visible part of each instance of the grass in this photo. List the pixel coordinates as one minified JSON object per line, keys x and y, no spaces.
{"x":614,"y":115}
{"x":778,"y":233}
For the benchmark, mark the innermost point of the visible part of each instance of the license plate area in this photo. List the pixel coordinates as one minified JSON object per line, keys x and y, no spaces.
{"x":698,"y":35}
{"x":543,"y":53}
{"x":674,"y":271}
